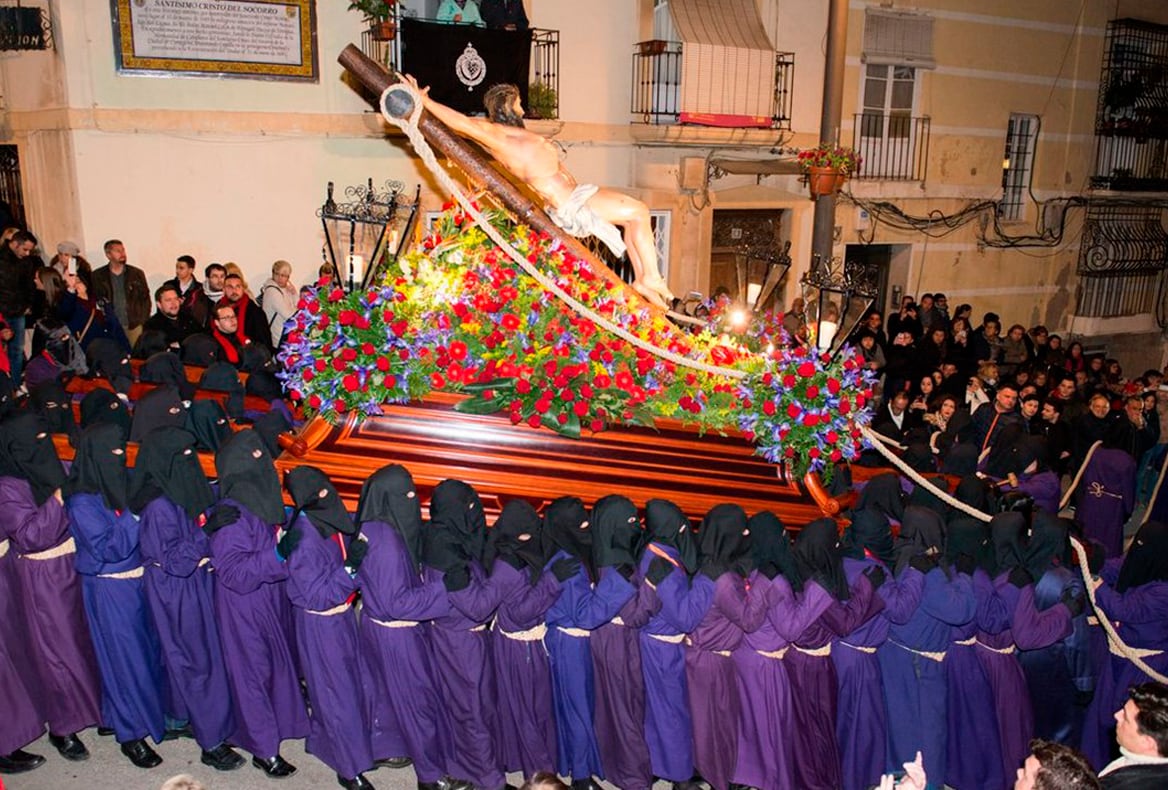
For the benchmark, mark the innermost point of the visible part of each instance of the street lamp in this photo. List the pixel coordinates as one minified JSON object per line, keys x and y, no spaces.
{"x":756,"y":283}
{"x":842,"y":289}
{"x":360,"y":235}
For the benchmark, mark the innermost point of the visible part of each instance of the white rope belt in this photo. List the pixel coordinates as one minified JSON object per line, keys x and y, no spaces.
{"x":60,"y":550}
{"x":673,"y":639}
{"x":1002,"y":651}
{"x":477,"y":628}
{"x":932,"y":656}
{"x":967,"y":642}
{"x":339,"y":609}
{"x":4,"y":548}
{"x":818,"y":652}
{"x":617,"y":620}
{"x":773,"y":653}
{"x":723,"y":653}
{"x":1092,"y":620}
{"x":861,"y":648}
{"x":133,"y":573}
{"x":579,"y":633}
{"x":396,"y":623}
{"x":1138,"y":651}
{"x":530,"y":635}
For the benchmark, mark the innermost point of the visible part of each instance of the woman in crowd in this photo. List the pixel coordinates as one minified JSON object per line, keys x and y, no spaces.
{"x":279,"y":297}
{"x":76,"y":304}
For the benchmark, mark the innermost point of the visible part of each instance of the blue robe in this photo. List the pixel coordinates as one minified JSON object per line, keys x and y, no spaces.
{"x":406,"y":713}
{"x":668,"y":723}
{"x":180,"y":591}
{"x":523,"y":681}
{"x":67,"y":690}
{"x":580,"y":608}
{"x":321,"y":593}
{"x":255,"y":623}
{"x":128,"y":653}
{"x":22,"y":722}
{"x":915,"y":695}
{"x":1142,"y":616}
{"x":462,"y":668}
{"x":860,"y":726}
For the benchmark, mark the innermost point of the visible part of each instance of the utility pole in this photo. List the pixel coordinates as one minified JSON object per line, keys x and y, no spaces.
{"x":829,"y":124}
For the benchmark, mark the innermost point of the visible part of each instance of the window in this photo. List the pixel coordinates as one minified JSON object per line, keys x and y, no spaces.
{"x":898,"y":38}
{"x":1017,"y":164}
{"x":659,"y":221}
{"x":889,"y":93}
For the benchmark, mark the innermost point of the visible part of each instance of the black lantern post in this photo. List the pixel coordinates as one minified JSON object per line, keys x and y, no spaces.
{"x":844,"y":291}
{"x":366,"y":231}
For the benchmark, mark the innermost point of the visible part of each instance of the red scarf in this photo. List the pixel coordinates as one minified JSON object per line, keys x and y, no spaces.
{"x":231,"y":351}
{"x":240,"y":309}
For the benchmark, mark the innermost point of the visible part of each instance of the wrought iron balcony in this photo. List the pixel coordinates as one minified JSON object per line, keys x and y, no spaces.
{"x":544,"y":82}
{"x":892,"y":147}
{"x":657,"y":67}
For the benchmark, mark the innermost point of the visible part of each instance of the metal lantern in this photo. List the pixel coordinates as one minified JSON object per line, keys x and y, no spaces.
{"x":367,"y":231}
{"x":843,"y":292}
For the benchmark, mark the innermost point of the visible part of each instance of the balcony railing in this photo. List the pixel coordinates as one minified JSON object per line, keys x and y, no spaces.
{"x":544,"y":76}
{"x":893,"y":147}
{"x":657,"y":84}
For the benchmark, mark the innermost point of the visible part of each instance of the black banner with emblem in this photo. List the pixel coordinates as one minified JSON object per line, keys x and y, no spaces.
{"x":460,"y":62}
{"x":22,"y":28}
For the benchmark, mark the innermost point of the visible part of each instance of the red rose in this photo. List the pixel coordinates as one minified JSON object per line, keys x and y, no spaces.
{"x":806,"y":369}
{"x":399,"y":328}
{"x":845,"y":406}
{"x":382,"y":364}
{"x":348,"y":354}
{"x":542,"y":405}
{"x":534,"y":420}
{"x":602,"y":381}
{"x":550,"y":367}
{"x":813,"y":453}
{"x":788,"y":381}
{"x":562,"y":419}
{"x":794,"y":410}
{"x":362,"y":322}
{"x":367,"y":348}
{"x":832,"y":437}
{"x":812,"y":392}
{"x":523,"y":386}
{"x":580,"y":407}
{"x":789,"y":452}
{"x":338,"y":364}
{"x":339,"y":405}
{"x":346,"y":317}
{"x":350,"y":382}
{"x":811,"y":420}
{"x":510,"y":321}
{"x":567,"y":395}
{"x":314,"y":401}
{"x":596,"y":426}
{"x":308,"y":375}
{"x":390,"y":382}
{"x":768,"y":378}
{"x":320,"y":365}
{"x":624,"y":380}
{"x":458,"y":350}
{"x":723,"y":355}
{"x":768,"y":408}
{"x":443,"y":321}
{"x":436,"y":381}
{"x":833,"y":386}
{"x":836,"y":456}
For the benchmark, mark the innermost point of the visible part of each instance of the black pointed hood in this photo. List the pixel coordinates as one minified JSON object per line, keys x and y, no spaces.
{"x":159,"y":408}
{"x":921,"y":532}
{"x":883,"y":494}
{"x":1008,"y":536}
{"x":666,"y":523}
{"x":1147,"y":559}
{"x":566,"y":526}
{"x":99,"y":466}
{"x":168,"y":465}
{"x":315,"y":496}
{"x":818,"y":555}
{"x":617,"y":537}
{"x":32,"y":454}
{"x":456,"y":508}
{"x":101,"y":405}
{"x":770,"y":548}
{"x":517,"y":539}
{"x":1049,"y":543}
{"x":51,"y":401}
{"x":870,"y":532}
{"x":389,"y":496}
{"x":207,"y":420}
{"x":247,"y":475}
{"x":724,"y":536}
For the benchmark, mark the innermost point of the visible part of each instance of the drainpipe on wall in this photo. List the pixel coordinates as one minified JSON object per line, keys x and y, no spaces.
{"x":829,"y":122}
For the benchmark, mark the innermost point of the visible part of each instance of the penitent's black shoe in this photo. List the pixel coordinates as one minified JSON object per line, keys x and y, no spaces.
{"x":105,"y":732}
{"x":394,"y":762}
{"x":184,"y":731}
{"x":19,"y":761}
{"x":140,"y":754}
{"x":70,"y":747}
{"x":450,"y":783}
{"x":222,"y":758}
{"x":585,"y":784}
{"x":275,"y":767}
{"x":358,"y":782}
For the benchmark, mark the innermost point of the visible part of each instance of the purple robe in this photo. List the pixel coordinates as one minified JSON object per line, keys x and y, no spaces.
{"x":580,"y":608}
{"x":620,"y":694}
{"x":466,"y":679}
{"x":180,"y":591}
{"x":405,"y":707}
{"x":321,"y":592}
{"x":1106,"y":497}
{"x":128,"y":654}
{"x":678,"y":609}
{"x":814,"y":706}
{"x":974,"y":757}
{"x":255,"y":623}
{"x":860,"y":725}
{"x":737,"y":608}
{"x":1045,"y":488}
{"x":523,"y":681}
{"x":1142,"y":614}
{"x":915,"y":694}
{"x":67,"y":692}
{"x":766,"y":736}
{"x":22,"y":722}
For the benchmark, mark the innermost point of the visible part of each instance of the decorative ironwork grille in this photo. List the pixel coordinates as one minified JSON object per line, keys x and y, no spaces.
{"x":11,"y":191}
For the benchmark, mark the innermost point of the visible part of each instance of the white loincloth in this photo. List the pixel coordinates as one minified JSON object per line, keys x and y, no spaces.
{"x":576,"y":218}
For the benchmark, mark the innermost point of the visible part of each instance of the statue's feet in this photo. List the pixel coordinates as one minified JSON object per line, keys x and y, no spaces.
{"x":655,"y":284}
{"x":651,"y":295}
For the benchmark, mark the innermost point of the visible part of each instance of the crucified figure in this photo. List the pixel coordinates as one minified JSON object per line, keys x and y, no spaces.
{"x":580,"y":209}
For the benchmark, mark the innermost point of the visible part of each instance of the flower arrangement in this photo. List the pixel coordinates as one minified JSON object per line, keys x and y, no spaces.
{"x":455,"y":314}
{"x":840,"y":158}
{"x":374,"y":10}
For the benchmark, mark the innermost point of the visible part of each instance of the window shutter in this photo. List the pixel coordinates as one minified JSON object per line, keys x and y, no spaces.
{"x":898,"y":38}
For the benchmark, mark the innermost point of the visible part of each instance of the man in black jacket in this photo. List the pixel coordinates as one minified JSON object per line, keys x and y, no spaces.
{"x":123,"y":286}
{"x":17,"y":263}
{"x":172,"y":319}
{"x":253,"y":324}
{"x":1142,"y":732}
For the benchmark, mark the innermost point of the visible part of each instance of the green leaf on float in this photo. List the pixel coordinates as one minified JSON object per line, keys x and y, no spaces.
{"x":495,"y":384}
{"x":478,"y":405}
{"x":571,"y":428}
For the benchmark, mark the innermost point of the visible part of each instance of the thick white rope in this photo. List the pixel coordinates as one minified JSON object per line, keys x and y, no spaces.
{"x":1078,"y":475}
{"x":409,"y":126}
{"x":1118,"y":645}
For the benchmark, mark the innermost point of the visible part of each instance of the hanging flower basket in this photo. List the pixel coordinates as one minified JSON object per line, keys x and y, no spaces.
{"x":384,"y":30}
{"x":824,"y":181}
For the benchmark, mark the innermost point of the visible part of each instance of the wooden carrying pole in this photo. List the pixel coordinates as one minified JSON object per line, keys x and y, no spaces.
{"x":376,"y":79}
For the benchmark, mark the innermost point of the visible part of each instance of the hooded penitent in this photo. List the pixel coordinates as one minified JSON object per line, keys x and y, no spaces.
{"x":389,"y":496}
{"x":158,"y":408}
{"x":770,"y":548}
{"x":222,"y":377}
{"x":1049,"y":543}
{"x":566,"y":527}
{"x":723,"y":538}
{"x":99,"y":466}
{"x":207,"y":422}
{"x":665,"y":523}
{"x":54,"y":404}
{"x":1147,"y":559}
{"x":869,"y":533}
{"x":969,"y":536}
{"x":617,"y":538}
{"x":817,"y":552}
{"x":1008,"y":536}
{"x":517,"y":539}
{"x":101,"y":405}
{"x":247,"y":475}
{"x":166,"y":368}
{"x":110,"y":360}
{"x":316,"y":497}
{"x":884,"y":495}
{"x":922,"y":496}
{"x":168,"y":465}
{"x":921,"y":532}
{"x":200,"y":350}
{"x":975,"y":492}
{"x":32,"y":454}
{"x":455,"y":509}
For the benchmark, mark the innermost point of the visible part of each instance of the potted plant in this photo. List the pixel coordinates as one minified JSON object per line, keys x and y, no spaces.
{"x":380,"y":16}
{"x":827,"y":167}
{"x":542,"y":101}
